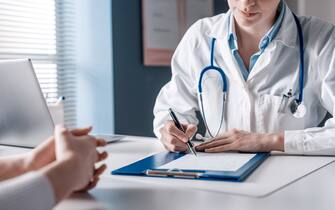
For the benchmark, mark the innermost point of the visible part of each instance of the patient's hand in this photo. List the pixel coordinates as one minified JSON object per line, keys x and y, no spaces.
{"x":75,"y":162}
{"x":82,"y":152}
{"x":41,"y":156}
{"x":67,"y":159}
{"x":44,"y":154}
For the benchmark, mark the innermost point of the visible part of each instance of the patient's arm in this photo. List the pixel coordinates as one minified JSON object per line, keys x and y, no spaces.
{"x":15,"y":165}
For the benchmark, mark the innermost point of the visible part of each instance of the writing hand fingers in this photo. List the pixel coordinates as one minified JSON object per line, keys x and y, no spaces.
{"x":172,"y":143}
{"x":190,"y":129}
{"x":171,"y":129}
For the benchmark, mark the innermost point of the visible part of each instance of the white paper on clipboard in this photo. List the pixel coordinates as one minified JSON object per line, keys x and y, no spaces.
{"x":210,"y":161}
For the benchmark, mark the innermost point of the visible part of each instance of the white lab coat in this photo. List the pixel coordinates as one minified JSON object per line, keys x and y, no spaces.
{"x":252,"y":105}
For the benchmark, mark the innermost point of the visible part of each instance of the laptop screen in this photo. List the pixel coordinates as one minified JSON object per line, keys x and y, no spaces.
{"x":24,"y":117}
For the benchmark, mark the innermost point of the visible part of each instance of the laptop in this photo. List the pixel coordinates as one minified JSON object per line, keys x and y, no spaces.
{"x":25,"y":120}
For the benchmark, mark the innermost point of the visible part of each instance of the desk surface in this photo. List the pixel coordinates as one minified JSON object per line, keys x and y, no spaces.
{"x":315,"y":191}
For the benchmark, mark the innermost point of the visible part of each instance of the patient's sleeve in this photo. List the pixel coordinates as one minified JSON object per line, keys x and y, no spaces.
{"x":29,"y":191}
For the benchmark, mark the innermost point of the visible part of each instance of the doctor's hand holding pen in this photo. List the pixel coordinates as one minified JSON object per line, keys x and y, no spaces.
{"x":243,"y":141}
{"x":174,"y":139}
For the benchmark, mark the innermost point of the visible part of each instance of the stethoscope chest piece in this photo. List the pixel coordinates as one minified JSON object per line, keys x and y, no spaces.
{"x":298,"y":109}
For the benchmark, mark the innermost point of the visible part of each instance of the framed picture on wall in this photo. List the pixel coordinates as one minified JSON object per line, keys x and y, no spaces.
{"x":164,"y":24}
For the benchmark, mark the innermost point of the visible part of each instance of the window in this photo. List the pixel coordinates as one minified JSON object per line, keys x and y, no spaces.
{"x":66,"y":57}
{"x":42,"y":30}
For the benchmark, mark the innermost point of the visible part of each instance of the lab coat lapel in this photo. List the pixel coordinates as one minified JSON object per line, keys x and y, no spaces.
{"x":227,"y":62}
{"x":223,"y":56}
{"x":263,"y":61}
{"x":287,"y":36}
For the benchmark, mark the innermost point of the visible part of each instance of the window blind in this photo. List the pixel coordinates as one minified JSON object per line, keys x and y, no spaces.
{"x":66,"y":57}
{"x":27,"y":30}
{"x":42,"y":30}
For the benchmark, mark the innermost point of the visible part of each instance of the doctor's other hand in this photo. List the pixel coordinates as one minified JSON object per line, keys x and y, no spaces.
{"x":243,"y":141}
{"x":174,"y":139}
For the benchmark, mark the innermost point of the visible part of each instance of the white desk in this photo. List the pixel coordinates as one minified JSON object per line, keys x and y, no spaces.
{"x":315,"y":191}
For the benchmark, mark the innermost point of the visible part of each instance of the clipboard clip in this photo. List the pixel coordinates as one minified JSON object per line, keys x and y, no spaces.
{"x":173,"y":173}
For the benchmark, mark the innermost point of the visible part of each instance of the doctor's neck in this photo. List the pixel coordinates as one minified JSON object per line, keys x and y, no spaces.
{"x":253,"y":22}
{"x":247,"y":34}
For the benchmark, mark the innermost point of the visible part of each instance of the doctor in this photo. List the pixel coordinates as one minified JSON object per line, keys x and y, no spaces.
{"x":262,"y":78}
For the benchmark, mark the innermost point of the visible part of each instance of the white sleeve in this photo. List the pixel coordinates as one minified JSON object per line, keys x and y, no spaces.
{"x":319,"y":140}
{"x":29,"y":191}
{"x":180,"y":93}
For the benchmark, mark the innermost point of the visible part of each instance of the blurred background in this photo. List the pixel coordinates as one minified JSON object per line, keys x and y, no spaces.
{"x":91,"y":52}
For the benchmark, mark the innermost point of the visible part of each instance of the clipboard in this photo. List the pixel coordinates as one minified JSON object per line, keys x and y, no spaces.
{"x":149,"y":167}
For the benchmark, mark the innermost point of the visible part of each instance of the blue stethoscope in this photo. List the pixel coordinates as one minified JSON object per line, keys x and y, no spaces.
{"x":296,"y":106}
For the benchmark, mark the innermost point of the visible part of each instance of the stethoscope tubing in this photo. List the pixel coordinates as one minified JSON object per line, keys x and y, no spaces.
{"x":302,"y":59}
{"x":215,"y":68}
{"x":225,"y":81}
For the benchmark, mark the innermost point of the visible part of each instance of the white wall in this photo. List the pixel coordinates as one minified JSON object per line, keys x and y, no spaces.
{"x":94,"y":63}
{"x":293,"y":4}
{"x":320,"y":8}
{"x":323,"y":9}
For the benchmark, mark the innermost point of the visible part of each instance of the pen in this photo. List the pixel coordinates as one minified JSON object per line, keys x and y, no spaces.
{"x":61,"y":98}
{"x":178,"y":125}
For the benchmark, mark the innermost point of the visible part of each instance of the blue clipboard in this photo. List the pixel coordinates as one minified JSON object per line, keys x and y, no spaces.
{"x":148,"y":167}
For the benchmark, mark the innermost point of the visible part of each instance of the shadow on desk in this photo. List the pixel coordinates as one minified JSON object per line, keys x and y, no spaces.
{"x":123,"y":199}
{"x":146,"y":198}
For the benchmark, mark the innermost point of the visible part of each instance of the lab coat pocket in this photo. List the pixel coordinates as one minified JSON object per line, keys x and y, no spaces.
{"x":270,"y":120}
